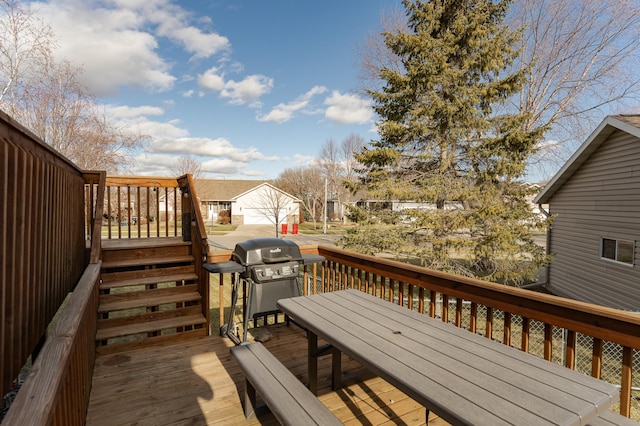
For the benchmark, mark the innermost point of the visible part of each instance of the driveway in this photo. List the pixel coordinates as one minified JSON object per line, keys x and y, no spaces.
{"x":249,"y":232}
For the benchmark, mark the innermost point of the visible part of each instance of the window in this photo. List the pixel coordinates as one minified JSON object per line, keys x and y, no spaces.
{"x":618,"y":250}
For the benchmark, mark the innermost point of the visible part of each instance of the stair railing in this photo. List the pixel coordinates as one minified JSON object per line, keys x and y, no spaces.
{"x":193,"y":230}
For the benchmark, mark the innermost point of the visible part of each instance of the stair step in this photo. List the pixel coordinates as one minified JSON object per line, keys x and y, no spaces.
{"x":148,"y":323}
{"x":148,"y":298}
{"x":128,"y":263}
{"x":148,"y":342}
{"x":143,"y":250}
{"x":148,"y":280}
{"x":144,"y":273}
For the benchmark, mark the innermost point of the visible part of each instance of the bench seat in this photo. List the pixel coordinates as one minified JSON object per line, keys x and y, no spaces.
{"x":287,"y":397}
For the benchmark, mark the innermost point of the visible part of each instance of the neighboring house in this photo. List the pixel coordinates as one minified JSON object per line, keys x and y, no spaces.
{"x":595,"y":199}
{"x":249,"y":202}
{"x":362,"y":199}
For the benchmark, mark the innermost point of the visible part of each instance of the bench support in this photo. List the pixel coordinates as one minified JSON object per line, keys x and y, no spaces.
{"x":314,"y":352}
{"x":286,"y":396}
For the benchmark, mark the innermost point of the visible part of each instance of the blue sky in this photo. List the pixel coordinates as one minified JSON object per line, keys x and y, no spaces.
{"x":247,"y":87}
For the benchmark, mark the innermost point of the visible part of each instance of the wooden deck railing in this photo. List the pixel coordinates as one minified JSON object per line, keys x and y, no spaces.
{"x":482,"y":307}
{"x":193,"y":230}
{"x":142,"y":207}
{"x":59,"y":382}
{"x":42,"y":242}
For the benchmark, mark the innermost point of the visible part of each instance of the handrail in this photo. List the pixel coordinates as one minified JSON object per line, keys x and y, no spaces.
{"x":420,"y":289}
{"x":195,"y":231}
{"x":56,"y":391}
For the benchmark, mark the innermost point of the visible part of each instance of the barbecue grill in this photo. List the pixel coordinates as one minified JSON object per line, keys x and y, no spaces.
{"x":270,"y":268}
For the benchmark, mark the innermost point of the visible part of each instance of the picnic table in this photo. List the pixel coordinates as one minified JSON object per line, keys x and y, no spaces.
{"x":465,"y":378}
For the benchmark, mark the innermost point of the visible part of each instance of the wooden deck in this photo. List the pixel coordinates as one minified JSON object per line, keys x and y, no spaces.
{"x":196,"y":382}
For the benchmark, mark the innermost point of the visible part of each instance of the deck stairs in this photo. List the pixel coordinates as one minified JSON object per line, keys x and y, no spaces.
{"x":148,"y":293}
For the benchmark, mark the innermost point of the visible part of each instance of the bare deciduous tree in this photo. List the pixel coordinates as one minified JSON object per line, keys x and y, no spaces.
{"x":339,"y":166}
{"x":25,"y":44}
{"x":307,"y":184}
{"x":273,"y":204}
{"x":47,"y":97}
{"x":186,"y":164}
{"x":583,"y":61}
{"x":59,"y":109}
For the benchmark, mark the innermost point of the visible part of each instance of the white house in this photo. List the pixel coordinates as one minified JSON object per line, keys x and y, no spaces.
{"x":248,"y":202}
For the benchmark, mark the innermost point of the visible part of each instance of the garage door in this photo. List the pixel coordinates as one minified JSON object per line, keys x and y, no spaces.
{"x":259,"y":217}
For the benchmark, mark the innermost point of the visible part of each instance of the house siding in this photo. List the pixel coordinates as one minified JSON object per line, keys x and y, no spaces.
{"x":601,"y":199}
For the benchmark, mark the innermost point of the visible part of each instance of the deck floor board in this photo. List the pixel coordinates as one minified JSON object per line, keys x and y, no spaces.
{"x":196,"y":382}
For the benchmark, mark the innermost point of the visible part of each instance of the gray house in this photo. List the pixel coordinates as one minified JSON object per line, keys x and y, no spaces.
{"x":595,"y":199}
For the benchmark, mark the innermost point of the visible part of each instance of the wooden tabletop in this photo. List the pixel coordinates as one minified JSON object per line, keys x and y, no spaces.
{"x":463,"y":377}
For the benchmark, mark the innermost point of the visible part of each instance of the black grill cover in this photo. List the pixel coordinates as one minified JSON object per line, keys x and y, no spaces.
{"x":265,"y":251}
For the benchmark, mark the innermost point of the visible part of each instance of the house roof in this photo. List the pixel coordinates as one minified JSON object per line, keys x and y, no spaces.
{"x":269,"y":185}
{"x":626,"y":123}
{"x":222,"y":189}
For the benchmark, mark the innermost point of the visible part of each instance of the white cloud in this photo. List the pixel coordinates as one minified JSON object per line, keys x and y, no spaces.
{"x":211,"y":80}
{"x":348,"y":108}
{"x":223,"y":166}
{"x":116,"y":42}
{"x":284,"y":112}
{"x":245,"y":91}
{"x":124,"y":112}
{"x":172,"y":22}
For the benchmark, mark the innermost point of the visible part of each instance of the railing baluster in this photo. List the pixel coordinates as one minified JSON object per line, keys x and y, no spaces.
{"x":445,"y":308}
{"x":526,"y":327}
{"x":374,"y":283}
{"x":473,"y":317}
{"x":432,"y":303}
{"x":570,"y":350}
{"x":488,"y":332}
{"x":109,"y":215}
{"x":506,"y":335}
{"x":119,"y":212}
{"x":625,"y":381}
{"x":138,"y":211}
{"x":158,"y":215}
{"x":129,"y":211}
{"x":548,"y":341}
{"x":596,"y":358}
{"x":458,"y":312}
{"x":148,"y":211}
{"x":175,"y":214}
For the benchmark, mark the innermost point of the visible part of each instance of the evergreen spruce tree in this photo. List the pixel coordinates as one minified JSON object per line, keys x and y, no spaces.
{"x":443,"y":142}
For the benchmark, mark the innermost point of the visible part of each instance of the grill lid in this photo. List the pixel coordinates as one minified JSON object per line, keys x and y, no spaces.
{"x":265,"y":251}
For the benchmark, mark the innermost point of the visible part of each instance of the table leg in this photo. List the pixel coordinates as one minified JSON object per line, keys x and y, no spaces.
{"x":336,"y":363}
{"x":312,"y":362}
